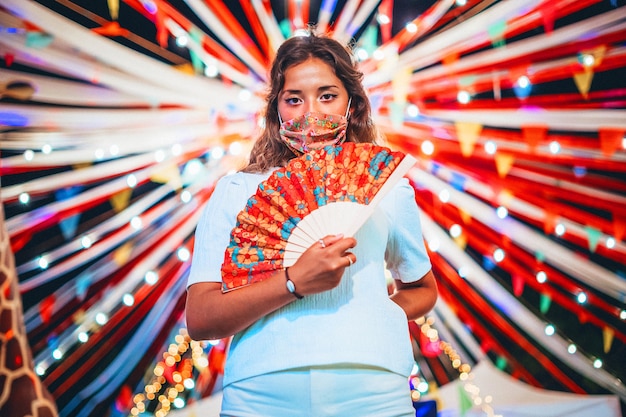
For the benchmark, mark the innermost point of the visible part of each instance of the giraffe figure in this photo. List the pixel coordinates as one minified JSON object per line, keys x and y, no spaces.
{"x":22,"y":393}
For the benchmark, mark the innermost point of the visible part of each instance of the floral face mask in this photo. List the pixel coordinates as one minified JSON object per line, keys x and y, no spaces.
{"x":314,"y":130}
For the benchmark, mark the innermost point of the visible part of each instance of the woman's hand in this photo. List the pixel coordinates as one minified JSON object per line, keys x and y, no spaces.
{"x":321,"y":266}
{"x":213,"y":314}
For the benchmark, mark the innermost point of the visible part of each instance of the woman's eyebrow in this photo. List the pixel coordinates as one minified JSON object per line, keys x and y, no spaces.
{"x":322,"y":88}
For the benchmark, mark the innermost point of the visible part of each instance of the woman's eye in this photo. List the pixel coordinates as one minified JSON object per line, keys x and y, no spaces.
{"x":292,"y":100}
{"x":328,"y":96}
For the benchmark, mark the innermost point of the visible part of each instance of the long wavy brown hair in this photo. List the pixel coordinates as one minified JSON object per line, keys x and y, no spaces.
{"x":269,"y":150}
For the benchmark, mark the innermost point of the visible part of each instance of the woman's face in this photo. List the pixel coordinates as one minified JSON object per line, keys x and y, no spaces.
{"x":311,"y":86}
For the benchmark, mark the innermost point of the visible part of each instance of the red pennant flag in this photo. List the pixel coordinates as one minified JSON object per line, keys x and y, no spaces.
{"x":548,"y":13}
{"x":46,"y":307}
{"x":111,"y":29}
{"x":518,"y":285}
{"x":619,"y":227}
{"x":533,"y":135}
{"x":8,"y":59}
{"x":610,"y":139}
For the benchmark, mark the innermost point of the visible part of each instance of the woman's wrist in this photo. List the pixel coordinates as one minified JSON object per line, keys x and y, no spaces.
{"x":291,"y":286}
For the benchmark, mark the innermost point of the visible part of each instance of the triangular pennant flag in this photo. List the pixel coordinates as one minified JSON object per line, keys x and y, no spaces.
{"x":496,"y":32}
{"x":548,"y":12}
{"x":162,"y":33}
{"x":169,"y":174}
{"x":549,"y":222}
{"x":461,"y":240}
{"x":501,"y":363}
{"x":518,"y":285}
{"x":186,"y":68}
{"x":369,"y":39}
{"x":285,"y":28}
{"x":497,"y":87}
{"x":111,"y":29}
{"x":69,"y":225}
{"x":197,"y":63}
{"x":504,"y":162}
{"x":533,"y":135}
{"x":465,"y":216}
{"x":583,"y":81}
{"x":593,"y":236}
{"x":38,"y":39}
{"x":505,"y":197}
{"x":607,"y":338}
{"x":619,"y":227}
{"x":544,"y":303}
{"x":400,"y":84}
{"x":467,"y":133}
{"x":540,"y":256}
{"x":465,"y":402}
{"x":82,"y":285}
{"x":9,"y":58}
{"x":450,"y":59}
{"x":610,"y":139}
{"x":122,"y":254}
{"x":119,"y":201}
{"x":114,"y":8}
{"x":396,"y":114}
{"x":46,"y":308}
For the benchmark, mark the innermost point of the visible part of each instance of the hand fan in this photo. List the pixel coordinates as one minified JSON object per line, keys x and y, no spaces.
{"x":326,"y":191}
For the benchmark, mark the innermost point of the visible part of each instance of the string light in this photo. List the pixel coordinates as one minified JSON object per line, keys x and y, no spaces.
{"x":24,"y":198}
{"x":490,"y":147}
{"x":463,"y":97}
{"x":542,"y":277}
{"x":581,"y":298}
{"x":444,"y":195}
{"x":427,"y":147}
{"x":549,"y":330}
{"x":151,"y":277}
{"x":131,"y":181}
{"x":455,"y":230}
{"x":502,"y":212}
{"x":29,"y":155}
{"x":411,"y":27}
{"x":180,"y":359}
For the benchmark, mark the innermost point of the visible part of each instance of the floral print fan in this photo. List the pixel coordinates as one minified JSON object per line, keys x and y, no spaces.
{"x":326,"y":191}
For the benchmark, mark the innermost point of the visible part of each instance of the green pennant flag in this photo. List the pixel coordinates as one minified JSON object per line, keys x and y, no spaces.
{"x":465,"y":402}
{"x":544,"y":303}
{"x":593,"y":236}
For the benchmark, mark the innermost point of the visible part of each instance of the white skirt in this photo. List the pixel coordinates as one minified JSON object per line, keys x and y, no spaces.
{"x":321,"y":391}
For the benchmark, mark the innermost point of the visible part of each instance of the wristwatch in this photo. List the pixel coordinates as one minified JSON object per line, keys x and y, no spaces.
{"x":291,"y":287}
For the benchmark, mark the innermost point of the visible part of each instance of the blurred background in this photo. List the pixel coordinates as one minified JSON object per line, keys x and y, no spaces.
{"x":117,"y":117}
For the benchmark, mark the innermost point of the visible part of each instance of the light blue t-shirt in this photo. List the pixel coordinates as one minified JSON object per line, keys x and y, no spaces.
{"x":354,"y":323}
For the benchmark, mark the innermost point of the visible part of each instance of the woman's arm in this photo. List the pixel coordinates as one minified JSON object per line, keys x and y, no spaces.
{"x":416,"y":298}
{"x":212,"y":314}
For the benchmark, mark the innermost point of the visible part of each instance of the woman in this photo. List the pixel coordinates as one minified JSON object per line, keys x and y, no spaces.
{"x":322,"y":338}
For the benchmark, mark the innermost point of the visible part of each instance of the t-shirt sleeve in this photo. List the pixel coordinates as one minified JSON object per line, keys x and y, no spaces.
{"x":406,"y":255}
{"x":213,"y":231}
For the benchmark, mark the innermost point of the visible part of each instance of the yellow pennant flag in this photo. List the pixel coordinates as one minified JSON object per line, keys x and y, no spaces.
{"x":467,"y":133}
{"x":169,"y":174}
{"x":120,"y":200}
{"x":114,"y":8}
{"x":467,"y":218}
{"x":504,"y":162}
{"x":505,"y":197}
{"x":607,"y":336}
{"x":122,"y":254}
{"x":400,"y":84}
{"x":461,"y":241}
{"x":583,"y":81}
